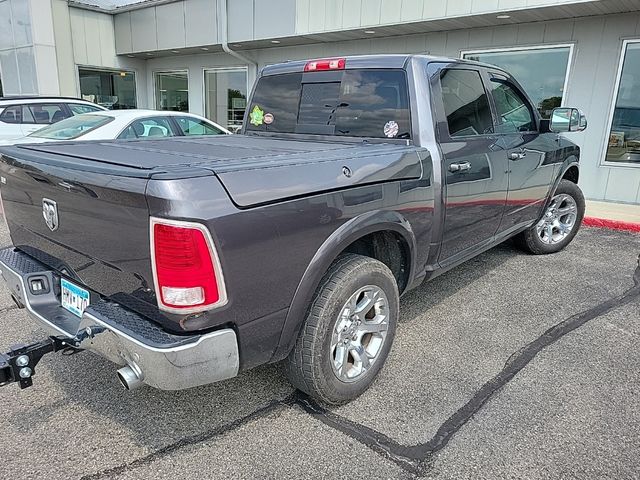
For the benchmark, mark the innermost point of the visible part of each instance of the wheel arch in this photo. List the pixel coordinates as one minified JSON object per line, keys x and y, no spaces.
{"x":340,"y":241}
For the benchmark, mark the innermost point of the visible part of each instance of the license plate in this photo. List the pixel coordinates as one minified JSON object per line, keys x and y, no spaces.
{"x":74,"y":298}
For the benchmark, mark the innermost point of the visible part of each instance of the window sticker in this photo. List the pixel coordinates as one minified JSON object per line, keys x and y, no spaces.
{"x":390,"y":129}
{"x":268,"y":118}
{"x":257,"y":116}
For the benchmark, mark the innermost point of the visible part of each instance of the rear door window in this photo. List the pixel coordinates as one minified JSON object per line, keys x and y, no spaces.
{"x":46,"y":113}
{"x":154,"y":127}
{"x":357,"y":103}
{"x":466,"y":105}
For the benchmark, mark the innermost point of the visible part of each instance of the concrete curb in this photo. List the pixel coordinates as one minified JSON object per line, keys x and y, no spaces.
{"x":611,"y":224}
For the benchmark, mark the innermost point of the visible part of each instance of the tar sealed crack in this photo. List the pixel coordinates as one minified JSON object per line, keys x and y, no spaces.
{"x":418,"y":458}
{"x":415,"y":459}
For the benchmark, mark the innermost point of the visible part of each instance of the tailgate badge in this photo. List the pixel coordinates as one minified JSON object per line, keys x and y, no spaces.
{"x":50,"y":213}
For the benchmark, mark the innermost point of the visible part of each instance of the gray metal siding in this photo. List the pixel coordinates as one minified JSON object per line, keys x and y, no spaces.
{"x":144,"y":30}
{"x":201,"y":22}
{"x":275,"y":18}
{"x":170,"y":28}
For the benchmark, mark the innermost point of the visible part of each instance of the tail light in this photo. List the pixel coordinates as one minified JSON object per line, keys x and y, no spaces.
{"x":325,"y":64}
{"x":186,"y":268}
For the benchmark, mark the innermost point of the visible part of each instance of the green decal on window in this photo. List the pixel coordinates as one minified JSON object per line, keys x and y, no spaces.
{"x":257,"y":116}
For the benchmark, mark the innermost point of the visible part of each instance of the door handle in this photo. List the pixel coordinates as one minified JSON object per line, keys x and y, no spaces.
{"x":517,"y":155}
{"x":459,"y":167}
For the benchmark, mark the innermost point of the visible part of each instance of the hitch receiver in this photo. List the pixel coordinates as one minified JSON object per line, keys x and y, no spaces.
{"x":19,"y":363}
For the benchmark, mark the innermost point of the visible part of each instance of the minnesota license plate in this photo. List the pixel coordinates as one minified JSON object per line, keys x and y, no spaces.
{"x":74,"y":298}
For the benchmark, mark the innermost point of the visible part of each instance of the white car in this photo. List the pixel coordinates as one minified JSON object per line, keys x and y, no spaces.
{"x":20,"y":116}
{"x":124,"y":124}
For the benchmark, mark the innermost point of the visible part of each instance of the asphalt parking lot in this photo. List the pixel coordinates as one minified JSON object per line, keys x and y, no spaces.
{"x":511,"y":366}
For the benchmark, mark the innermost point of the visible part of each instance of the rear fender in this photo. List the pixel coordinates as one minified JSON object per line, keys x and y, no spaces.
{"x":349,"y":232}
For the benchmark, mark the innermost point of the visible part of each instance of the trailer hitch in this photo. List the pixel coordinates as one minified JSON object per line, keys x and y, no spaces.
{"x":18,"y":365}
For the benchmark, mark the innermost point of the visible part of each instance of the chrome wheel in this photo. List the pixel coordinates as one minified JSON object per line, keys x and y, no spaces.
{"x":359,"y":333}
{"x":559,"y":219}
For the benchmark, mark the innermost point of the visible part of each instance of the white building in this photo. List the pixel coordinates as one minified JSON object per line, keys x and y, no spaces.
{"x":202,"y":55}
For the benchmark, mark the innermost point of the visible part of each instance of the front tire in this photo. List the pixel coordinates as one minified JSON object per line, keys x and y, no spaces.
{"x":348,"y":331}
{"x":559,"y":224}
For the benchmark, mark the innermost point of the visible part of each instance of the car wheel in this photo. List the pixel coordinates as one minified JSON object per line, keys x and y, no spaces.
{"x":348,"y":331}
{"x":559,"y":224}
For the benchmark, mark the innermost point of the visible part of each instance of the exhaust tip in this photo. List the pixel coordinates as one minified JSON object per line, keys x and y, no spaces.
{"x":130,"y":377}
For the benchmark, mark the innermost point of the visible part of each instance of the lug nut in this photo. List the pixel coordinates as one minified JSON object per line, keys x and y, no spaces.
{"x":25,"y":372}
{"x":22,"y":361}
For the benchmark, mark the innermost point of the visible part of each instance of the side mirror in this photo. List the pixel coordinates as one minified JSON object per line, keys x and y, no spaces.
{"x":567,"y":120}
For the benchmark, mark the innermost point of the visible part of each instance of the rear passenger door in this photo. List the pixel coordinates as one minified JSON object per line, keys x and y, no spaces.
{"x":474,"y":166}
{"x":530,"y":154}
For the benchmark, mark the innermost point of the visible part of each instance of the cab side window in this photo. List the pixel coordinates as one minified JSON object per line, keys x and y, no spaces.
{"x":513,"y":111}
{"x":466,"y":104}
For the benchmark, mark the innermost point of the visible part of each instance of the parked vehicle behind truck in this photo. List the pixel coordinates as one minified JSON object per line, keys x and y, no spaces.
{"x":353,"y":181}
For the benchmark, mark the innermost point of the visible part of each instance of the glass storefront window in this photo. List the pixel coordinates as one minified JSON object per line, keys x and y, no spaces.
{"x":624,"y":134}
{"x":115,"y":90}
{"x":226,"y":96}
{"x":172,"y":91}
{"x":541,"y":71}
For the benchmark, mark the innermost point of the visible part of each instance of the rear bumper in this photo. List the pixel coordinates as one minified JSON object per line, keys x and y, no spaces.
{"x":160,"y":359}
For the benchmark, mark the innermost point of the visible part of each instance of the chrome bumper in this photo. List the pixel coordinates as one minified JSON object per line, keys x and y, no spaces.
{"x":160,"y":359}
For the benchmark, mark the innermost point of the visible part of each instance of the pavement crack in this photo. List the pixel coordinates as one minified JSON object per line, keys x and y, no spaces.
{"x":418,"y":459}
{"x":191,"y":440}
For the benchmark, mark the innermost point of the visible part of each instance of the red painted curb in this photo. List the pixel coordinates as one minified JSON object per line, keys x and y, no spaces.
{"x":612,"y":224}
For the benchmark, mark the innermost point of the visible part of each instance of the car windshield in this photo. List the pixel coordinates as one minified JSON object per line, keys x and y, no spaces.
{"x":73,"y":127}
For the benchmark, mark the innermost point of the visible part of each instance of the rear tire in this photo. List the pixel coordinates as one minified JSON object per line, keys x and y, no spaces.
{"x":348,"y":331}
{"x":559,"y":224}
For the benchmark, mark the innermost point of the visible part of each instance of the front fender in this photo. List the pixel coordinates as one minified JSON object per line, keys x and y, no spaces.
{"x":333,"y":246}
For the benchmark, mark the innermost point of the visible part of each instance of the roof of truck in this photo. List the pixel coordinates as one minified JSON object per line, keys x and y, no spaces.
{"x":370,"y":61}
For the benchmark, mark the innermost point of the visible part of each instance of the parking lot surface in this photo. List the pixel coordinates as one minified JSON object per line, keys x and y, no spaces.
{"x":510,"y":366}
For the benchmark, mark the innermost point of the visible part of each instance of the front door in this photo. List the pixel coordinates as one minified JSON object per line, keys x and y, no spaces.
{"x":531,"y":160}
{"x":474,"y":166}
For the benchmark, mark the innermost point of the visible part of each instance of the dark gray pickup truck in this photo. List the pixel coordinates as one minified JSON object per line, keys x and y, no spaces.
{"x":353,"y":180}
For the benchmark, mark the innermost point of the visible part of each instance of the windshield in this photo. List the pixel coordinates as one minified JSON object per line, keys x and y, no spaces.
{"x":72,"y":127}
{"x":357,"y":103}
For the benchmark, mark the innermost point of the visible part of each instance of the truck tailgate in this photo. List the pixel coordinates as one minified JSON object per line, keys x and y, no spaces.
{"x":99,"y":235}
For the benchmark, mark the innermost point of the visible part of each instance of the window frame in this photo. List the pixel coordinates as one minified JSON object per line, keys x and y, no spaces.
{"x":133,"y":71}
{"x":549,"y":46}
{"x":612,"y":109}
{"x":230,"y":69}
{"x":154,"y":77}
{"x":444,"y":135}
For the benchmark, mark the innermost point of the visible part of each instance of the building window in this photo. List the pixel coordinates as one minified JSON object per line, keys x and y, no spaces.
{"x":541,"y":71}
{"x":172,"y":91}
{"x":624,"y":135}
{"x":115,"y":90}
{"x":226,"y":96}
